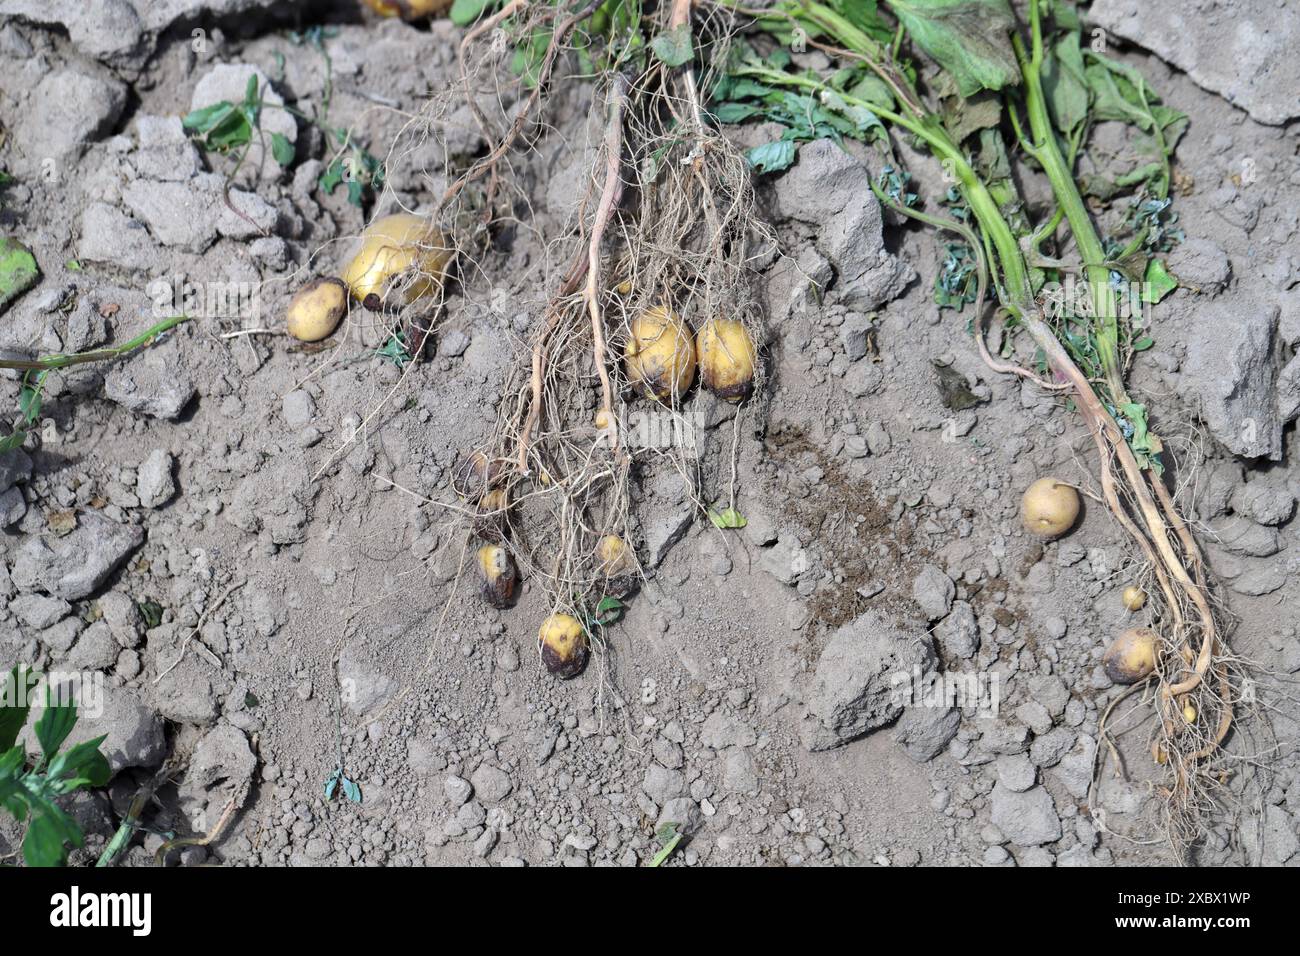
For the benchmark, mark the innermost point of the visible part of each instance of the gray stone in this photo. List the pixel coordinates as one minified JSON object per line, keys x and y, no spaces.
{"x":1200,"y":263}
{"x":165,"y":153}
{"x":457,"y":789}
{"x":122,"y":616}
{"x":12,"y":507}
{"x":862,"y":680}
{"x":1265,"y":501}
{"x":39,"y":611}
{"x":1074,"y":772}
{"x":153,"y":382}
{"x":1028,"y":818}
{"x":933,"y":591}
{"x":682,"y":812}
{"x":95,"y":649}
{"x":364,"y":687}
{"x":15,"y":466}
{"x":298,"y":408}
{"x":491,"y":784}
{"x":60,"y":637}
{"x":1241,"y":50}
{"x":1232,"y":369}
{"x":220,"y":768}
{"x":106,"y":29}
{"x":1016,"y":772}
{"x":1050,"y":747}
{"x":925,"y":729}
{"x":958,"y":634}
{"x":74,"y":565}
{"x":849,"y":234}
{"x":134,"y":735}
{"x":452,"y":343}
{"x":110,"y":237}
{"x":186,"y":694}
{"x":154,"y":484}
{"x":661,"y":784}
{"x":68,"y":111}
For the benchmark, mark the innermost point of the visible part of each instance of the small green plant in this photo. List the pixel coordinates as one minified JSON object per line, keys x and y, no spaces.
{"x":30,"y":793}
{"x":225,"y":127}
{"x":669,"y":836}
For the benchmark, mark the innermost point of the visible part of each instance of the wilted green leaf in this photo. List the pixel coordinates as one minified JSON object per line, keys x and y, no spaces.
{"x":18,"y":271}
{"x":1157,"y":283}
{"x":772,"y":157}
{"x":674,"y":48}
{"x":1066,"y":84}
{"x":968,"y":38}
{"x":351,"y":790}
{"x":281,"y":149}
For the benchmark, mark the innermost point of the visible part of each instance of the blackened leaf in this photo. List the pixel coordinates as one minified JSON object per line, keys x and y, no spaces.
{"x":954,"y":393}
{"x":968,"y":38}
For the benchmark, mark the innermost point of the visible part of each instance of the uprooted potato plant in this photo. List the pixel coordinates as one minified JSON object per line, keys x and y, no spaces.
{"x":652,"y":290}
{"x":653,"y":278}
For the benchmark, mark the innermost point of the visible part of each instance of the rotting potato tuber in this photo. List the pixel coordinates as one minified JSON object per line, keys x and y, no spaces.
{"x":490,"y":522}
{"x":476,"y":475}
{"x":660,"y":355}
{"x":1132,"y":655}
{"x":564,"y":645}
{"x":1049,"y":507}
{"x":618,"y":564}
{"x":726,"y":354}
{"x":400,"y":255}
{"x":500,"y":575}
{"x":316,"y":309}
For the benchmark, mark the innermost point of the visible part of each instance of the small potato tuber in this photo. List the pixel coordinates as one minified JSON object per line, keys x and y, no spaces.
{"x":726,"y":355}
{"x":1134,"y":598}
{"x":564,"y":645}
{"x":500,"y":575}
{"x":1132,"y":656}
{"x":400,"y":258}
{"x":660,"y":355}
{"x":1049,"y":507}
{"x":316,"y":309}
{"x":408,"y":9}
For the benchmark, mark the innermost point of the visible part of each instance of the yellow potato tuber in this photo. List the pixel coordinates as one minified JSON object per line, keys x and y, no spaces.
{"x":1132,"y":656}
{"x":727,"y":356}
{"x":660,"y":355}
{"x":1134,"y":598}
{"x":408,"y":9}
{"x":316,"y":309}
{"x":399,"y":259}
{"x":1049,"y":507}
{"x":564,"y":645}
